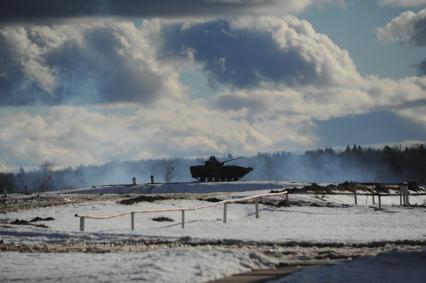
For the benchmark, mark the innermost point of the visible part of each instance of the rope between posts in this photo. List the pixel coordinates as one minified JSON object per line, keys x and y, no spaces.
{"x":180,"y":209}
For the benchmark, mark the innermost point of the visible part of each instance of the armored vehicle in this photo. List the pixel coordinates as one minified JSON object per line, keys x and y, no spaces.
{"x":214,"y":170}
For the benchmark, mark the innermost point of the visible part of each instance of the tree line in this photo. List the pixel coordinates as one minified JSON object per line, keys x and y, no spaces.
{"x":355,"y":163}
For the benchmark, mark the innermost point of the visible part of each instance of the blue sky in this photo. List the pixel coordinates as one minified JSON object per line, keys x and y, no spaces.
{"x":353,"y":27}
{"x":154,"y":79}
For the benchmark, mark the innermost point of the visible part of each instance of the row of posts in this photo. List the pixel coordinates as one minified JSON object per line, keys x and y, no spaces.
{"x":225,"y":214}
{"x":134,"y":180}
{"x":132,"y":217}
{"x":403,"y":197}
{"x":403,"y":194}
{"x":372,"y":195}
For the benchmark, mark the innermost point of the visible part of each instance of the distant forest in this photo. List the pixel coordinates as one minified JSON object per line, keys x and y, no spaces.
{"x":355,"y":163}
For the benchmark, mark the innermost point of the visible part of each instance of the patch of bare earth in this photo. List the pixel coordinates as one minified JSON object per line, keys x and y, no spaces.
{"x":23,"y":202}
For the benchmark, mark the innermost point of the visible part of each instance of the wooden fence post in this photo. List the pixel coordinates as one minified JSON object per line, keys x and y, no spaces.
{"x":224,"y":212}
{"x":380,"y":201}
{"x":132,"y":220}
{"x":82,"y":223}
{"x":5,"y":192}
{"x":183,"y":219}
{"x":356,"y":200}
{"x":404,"y":192}
{"x":374,"y":201}
{"x":257,"y":208}
{"x":286,"y":196}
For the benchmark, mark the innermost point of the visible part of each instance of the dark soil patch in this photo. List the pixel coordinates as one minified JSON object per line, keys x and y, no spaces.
{"x":36,"y":219}
{"x":162,"y":219}
{"x":288,"y":203}
{"x":36,"y":201}
{"x":213,"y":199}
{"x":25,"y":222}
{"x":282,"y":203}
{"x":143,"y":198}
{"x":20,"y":222}
{"x":318,"y":188}
{"x":352,"y":187}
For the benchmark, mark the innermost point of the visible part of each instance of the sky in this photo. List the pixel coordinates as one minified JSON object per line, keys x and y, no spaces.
{"x":88,"y":82}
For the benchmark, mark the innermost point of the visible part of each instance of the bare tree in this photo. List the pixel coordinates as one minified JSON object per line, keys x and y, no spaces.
{"x":20,"y":179}
{"x":45,"y":175}
{"x":169,"y":169}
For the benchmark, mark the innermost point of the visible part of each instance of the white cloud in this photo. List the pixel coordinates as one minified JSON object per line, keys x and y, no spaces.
{"x":403,"y":3}
{"x":258,"y":50}
{"x":82,"y":62}
{"x":26,"y":55}
{"x":261,"y":120}
{"x":407,"y":28}
{"x":332,"y":64}
{"x":417,"y":114}
{"x":307,"y":103}
{"x":68,"y":135}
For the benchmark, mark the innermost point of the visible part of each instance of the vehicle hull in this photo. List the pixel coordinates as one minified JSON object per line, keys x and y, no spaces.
{"x":220,"y":174}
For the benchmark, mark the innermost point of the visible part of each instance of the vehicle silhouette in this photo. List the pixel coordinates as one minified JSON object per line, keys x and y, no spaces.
{"x":214,"y":170}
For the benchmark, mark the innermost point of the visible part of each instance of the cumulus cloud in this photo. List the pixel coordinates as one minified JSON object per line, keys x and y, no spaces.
{"x":246,"y":122}
{"x":341,"y":91}
{"x":279,"y":111}
{"x":403,"y":3}
{"x":69,"y":135}
{"x":36,"y":10}
{"x":416,"y":114}
{"x":324,"y":103}
{"x":307,"y":75}
{"x":407,"y":28}
{"x":247,"y":52}
{"x":85,"y":62}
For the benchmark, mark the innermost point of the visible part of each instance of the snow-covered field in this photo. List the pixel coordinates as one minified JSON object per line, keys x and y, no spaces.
{"x":164,"y":265}
{"x":305,"y":223}
{"x":333,"y":219}
{"x":187,"y":187}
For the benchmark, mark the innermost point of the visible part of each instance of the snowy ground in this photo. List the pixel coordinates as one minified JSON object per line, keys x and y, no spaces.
{"x":360,"y":223}
{"x":165,"y":265}
{"x":332,"y":219}
{"x":187,"y":187}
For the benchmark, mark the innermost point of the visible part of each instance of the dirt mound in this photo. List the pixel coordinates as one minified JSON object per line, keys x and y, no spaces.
{"x":143,"y":198}
{"x":21,"y":202}
{"x":162,"y":219}
{"x":36,"y":219}
{"x":25,"y":222}
{"x":212,"y":199}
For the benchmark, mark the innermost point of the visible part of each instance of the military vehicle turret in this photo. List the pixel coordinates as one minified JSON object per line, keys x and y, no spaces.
{"x":214,"y":170}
